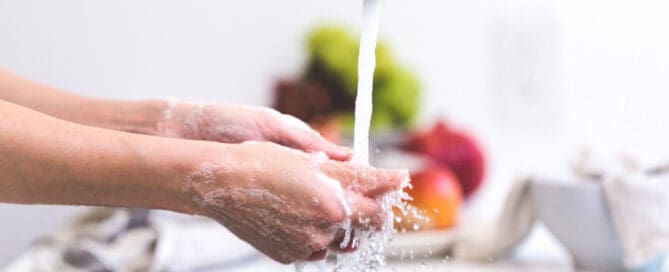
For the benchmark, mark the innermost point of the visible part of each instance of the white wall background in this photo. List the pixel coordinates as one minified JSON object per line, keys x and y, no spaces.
{"x":592,"y":72}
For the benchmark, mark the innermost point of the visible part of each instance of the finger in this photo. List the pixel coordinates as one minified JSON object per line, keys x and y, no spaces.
{"x":318,"y":255}
{"x":350,"y":247}
{"x":311,"y":141}
{"x":367,"y":180}
{"x":334,"y":151}
{"x":366,"y":213}
{"x":298,"y":134}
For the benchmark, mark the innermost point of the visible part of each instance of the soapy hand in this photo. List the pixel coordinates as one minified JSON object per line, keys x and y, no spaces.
{"x":288,"y":204}
{"x":229,"y":123}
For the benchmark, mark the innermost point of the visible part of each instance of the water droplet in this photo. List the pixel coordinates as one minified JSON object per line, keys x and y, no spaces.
{"x":447,"y":258}
{"x":416,"y":226}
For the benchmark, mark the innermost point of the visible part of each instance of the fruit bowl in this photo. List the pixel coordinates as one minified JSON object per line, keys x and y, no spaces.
{"x":577,"y":214}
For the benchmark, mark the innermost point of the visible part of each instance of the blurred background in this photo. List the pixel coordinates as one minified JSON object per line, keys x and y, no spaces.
{"x":533,"y":82}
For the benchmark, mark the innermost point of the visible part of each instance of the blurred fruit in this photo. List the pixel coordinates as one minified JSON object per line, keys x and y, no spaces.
{"x":454,"y":149}
{"x":304,"y":100}
{"x":436,"y":195}
{"x":399,"y":96}
{"x":333,"y":63}
{"x":329,"y":128}
{"x":336,"y":49}
{"x":381,"y":121}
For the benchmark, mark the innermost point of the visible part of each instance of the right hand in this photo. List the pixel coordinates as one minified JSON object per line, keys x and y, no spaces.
{"x":229,"y":123}
{"x":285,"y":202}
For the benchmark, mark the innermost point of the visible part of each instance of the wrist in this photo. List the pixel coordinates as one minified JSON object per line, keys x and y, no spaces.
{"x":174,"y":120}
{"x":148,"y":114}
{"x":140,"y":117}
{"x":129,"y":116}
{"x":137,"y":171}
{"x":189,"y":169}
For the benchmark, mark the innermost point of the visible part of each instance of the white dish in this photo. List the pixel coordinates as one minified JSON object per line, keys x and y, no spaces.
{"x":577,"y":214}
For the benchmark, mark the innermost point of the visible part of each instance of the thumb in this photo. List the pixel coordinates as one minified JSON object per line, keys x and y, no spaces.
{"x":366,"y":180}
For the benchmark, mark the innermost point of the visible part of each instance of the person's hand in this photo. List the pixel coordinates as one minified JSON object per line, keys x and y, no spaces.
{"x":236,"y":123}
{"x":288,"y":204}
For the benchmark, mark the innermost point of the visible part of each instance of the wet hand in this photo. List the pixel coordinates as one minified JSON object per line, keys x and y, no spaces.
{"x":236,"y":123}
{"x":288,"y":204}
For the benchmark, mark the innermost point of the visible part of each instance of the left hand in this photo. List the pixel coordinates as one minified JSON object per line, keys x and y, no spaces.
{"x":288,"y":204}
{"x":230,"y":123}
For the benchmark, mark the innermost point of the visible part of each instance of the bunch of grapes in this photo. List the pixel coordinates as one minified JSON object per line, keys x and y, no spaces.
{"x":329,"y":84}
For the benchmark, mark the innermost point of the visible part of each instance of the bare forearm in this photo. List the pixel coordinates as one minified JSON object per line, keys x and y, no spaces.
{"x":48,"y":161}
{"x":130,"y":116}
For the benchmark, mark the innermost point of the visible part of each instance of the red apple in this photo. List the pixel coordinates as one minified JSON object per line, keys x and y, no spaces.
{"x":452,"y":148}
{"x":437,"y":195}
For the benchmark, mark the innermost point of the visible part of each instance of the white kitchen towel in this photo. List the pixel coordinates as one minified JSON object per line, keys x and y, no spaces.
{"x":188,"y":243}
{"x":137,"y":240}
{"x":483,"y":241}
{"x":639,"y":207}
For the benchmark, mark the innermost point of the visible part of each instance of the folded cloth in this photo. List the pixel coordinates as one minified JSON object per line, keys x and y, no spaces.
{"x":494,"y":239}
{"x":136,"y":240}
{"x":189,"y":243}
{"x":639,"y":206}
{"x":637,"y":197}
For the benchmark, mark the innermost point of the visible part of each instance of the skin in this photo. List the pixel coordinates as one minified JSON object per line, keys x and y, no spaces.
{"x":60,"y":148}
{"x":283,"y":207}
{"x":148,"y":117}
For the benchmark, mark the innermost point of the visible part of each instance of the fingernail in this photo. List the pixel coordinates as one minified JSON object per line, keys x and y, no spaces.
{"x":341,"y":151}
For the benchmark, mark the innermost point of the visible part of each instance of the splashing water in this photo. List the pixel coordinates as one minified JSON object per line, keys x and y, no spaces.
{"x":363,"y":102}
{"x":369,"y":255}
{"x":366,"y":66}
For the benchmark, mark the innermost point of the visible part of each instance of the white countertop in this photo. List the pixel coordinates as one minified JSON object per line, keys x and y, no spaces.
{"x":539,"y":253}
{"x":430,"y":265}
